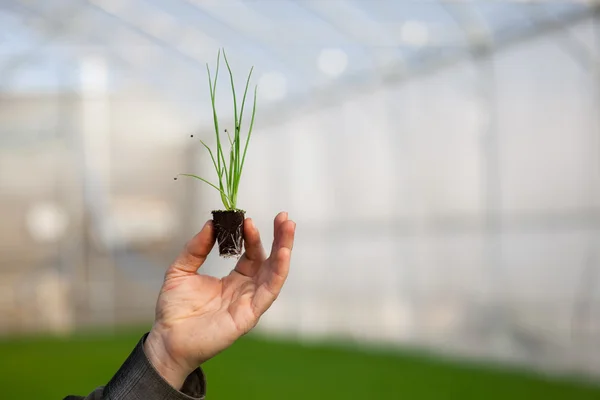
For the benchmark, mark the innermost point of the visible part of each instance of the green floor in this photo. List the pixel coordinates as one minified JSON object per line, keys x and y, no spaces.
{"x":44,"y":368}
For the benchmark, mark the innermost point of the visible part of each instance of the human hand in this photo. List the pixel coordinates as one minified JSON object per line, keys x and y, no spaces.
{"x":198,"y":316}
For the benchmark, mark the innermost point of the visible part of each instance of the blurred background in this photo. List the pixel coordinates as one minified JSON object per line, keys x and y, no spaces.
{"x":441,"y":160}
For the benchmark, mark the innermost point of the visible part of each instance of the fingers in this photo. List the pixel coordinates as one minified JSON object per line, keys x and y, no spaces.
{"x":278,"y":267}
{"x":195,"y":251}
{"x":254,"y":253}
{"x":252,"y":242}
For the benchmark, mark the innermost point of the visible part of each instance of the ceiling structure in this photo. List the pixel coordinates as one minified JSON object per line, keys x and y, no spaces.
{"x":299,"y":47}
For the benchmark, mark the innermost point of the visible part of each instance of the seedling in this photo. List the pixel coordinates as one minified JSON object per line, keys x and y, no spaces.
{"x":228,"y":223}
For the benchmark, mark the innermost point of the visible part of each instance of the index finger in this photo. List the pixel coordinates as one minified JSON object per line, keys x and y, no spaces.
{"x":254,"y":255}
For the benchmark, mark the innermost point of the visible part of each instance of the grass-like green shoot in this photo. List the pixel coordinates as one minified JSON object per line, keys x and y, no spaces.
{"x":229,"y":172}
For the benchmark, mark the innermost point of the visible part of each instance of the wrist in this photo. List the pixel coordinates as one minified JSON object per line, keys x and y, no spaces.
{"x":167,"y":367}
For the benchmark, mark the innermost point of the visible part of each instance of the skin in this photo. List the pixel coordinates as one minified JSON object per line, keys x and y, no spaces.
{"x":198,"y":316}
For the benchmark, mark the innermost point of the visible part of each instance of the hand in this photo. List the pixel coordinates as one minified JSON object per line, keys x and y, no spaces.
{"x":198,"y":316}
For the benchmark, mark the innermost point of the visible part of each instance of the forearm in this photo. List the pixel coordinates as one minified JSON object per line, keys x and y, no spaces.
{"x":138,"y":379}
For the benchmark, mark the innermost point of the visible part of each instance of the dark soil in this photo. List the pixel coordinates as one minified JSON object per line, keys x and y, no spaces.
{"x":229,"y":229}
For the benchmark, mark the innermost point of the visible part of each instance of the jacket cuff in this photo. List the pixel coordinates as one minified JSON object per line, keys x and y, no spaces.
{"x":138,"y":380}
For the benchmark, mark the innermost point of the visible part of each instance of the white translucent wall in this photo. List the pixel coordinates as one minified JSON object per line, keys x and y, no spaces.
{"x":457,"y":209}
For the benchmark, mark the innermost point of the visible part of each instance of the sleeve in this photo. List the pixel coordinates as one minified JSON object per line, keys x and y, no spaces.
{"x":138,"y":380}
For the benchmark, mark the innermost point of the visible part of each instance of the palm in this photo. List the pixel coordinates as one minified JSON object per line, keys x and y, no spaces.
{"x":204,"y":314}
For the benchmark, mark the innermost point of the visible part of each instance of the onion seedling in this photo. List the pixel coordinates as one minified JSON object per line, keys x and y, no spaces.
{"x":228,"y":223}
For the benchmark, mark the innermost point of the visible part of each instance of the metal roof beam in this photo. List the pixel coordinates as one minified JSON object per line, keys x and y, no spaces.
{"x":570,"y":44}
{"x":356,"y":25}
{"x":252,"y":25}
{"x":123,"y":58}
{"x":476,"y":31}
{"x":159,"y":28}
{"x":52,"y":30}
{"x":336,"y":92}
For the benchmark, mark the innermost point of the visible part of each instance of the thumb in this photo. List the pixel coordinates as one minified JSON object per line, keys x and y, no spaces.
{"x":195,"y":251}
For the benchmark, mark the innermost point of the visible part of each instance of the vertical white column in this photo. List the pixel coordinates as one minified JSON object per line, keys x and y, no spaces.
{"x":95,"y":122}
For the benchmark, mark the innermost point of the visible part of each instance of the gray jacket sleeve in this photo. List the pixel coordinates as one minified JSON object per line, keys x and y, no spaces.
{"x":138,"y":380}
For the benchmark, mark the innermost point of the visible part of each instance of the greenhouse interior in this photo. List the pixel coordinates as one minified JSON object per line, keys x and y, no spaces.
{"x":440,"y":158}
